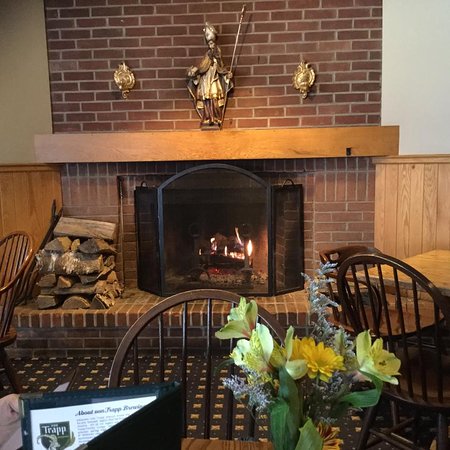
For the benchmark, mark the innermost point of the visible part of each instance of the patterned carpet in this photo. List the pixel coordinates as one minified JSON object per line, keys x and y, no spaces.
{"x":92,"y":372}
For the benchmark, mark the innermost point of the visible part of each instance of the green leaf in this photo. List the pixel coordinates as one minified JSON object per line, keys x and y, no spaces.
{"x":266,"y":341}
{"x":297,"y":369}
{"x":281,"y":434}
{"x":288,"y":341}
{"x":285,"y":413}
{"x":310,"y":438}
{"x":251,"y":314}
{"x":288,"y":391}
{"x":234,"y":329}
{"x":238,"y":312}
{"x":338,"y":409}
{"x":362,"y":399}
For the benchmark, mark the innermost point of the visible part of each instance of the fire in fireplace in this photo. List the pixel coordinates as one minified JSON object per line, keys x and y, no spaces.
{"x":219,"y":226}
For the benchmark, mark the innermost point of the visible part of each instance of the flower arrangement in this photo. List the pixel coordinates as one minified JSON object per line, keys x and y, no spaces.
{"x":305,"y":385}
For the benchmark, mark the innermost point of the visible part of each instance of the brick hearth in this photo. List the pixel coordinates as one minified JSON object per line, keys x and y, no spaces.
{"x":62,"y":333}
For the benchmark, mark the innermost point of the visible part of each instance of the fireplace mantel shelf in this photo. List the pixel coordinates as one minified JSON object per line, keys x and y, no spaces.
{"x":199,"y":145}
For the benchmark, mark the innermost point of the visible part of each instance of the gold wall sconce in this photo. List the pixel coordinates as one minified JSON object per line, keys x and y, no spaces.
{"x":124,"y":79}
{"x":303,"y":78}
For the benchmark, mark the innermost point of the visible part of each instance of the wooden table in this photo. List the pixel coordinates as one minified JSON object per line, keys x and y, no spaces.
{"x":204,"y":444}
{"x":435,"y":265}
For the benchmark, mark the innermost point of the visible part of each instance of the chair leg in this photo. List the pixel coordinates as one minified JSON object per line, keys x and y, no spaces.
{"x":442,"y":440}
{"x":369,"y":418}
{"x":394,"y":413}
{"x":10,"y":372}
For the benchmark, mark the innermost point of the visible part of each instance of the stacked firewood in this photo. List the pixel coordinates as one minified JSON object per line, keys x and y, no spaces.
{"x":77,"y":269}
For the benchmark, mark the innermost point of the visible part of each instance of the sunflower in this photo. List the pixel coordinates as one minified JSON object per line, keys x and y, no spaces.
{"x":329,"y":436}
{"x":322,"y":361}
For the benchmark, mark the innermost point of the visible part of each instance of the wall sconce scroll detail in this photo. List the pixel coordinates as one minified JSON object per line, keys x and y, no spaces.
{"x":124,"y":79}
{"x":303,"y":78}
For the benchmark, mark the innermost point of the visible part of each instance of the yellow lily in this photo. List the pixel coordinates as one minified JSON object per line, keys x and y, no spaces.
{"x":296,"y":366}
{"x":255,"y":353}
{"x":241,"y":321}
{"x":374,"y":360}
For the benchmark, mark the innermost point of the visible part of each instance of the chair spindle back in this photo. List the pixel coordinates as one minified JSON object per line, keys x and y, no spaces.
{"x":183,"y":325}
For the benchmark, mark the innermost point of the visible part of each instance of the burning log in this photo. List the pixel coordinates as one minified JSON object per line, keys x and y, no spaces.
{"x":225,"y":261}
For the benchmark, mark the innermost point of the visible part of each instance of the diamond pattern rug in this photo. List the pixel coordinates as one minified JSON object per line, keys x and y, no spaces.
{"x":43,"y":375}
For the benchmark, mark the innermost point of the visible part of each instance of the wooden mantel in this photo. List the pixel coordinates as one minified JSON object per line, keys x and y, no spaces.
{"x":199,"y":145}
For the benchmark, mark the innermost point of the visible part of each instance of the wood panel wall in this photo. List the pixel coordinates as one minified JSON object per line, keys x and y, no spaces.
{"x":412,"y":204}
{"x":26,"y":196}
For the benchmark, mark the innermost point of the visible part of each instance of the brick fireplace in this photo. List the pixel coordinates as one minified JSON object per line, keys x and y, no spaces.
{"x":338,"y":210}
{"x":338,"y":198}
{"x":341,"y":39}
{"x":159,"y":40}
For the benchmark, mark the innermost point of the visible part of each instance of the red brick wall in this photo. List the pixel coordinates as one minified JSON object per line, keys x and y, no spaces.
{"x":87,"y":39}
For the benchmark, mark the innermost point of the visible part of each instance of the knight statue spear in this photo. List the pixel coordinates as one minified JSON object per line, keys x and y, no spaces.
{"x":241,"y":18}
{"x":210,"y":81}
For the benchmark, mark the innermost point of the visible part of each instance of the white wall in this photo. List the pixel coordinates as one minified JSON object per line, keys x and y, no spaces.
{"x":416,"y":73}
{"x":24,"y":89}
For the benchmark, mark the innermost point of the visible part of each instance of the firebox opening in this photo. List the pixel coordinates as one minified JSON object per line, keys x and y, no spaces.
{"x":216,"y":226}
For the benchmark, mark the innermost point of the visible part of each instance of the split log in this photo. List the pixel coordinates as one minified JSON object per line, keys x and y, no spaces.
{"x":60,"y":245}
{"x":47,"y":301}
{"x":102,"y":302}
{"x":69,"y":263}
{"x":78,"y":263}
{"x":85,"y":228}
{"x":76,"y":302}
{"x":97,"y":246}
{"x":83,"y":289}
{"x":75,"y":245}
{"x":47,"y":280}
{"x":86,"y":279}
{"x":110,"y":261}
{"x":65,"y":282}
{"x":114,"y":290}
{"x":101,"y":287}
{"x":112,"y":277}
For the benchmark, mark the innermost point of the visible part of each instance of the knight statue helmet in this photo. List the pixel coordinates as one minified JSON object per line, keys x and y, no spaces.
{"x":210,"y":32}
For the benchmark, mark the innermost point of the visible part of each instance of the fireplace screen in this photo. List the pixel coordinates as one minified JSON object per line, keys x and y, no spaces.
{"x":218,"y":226}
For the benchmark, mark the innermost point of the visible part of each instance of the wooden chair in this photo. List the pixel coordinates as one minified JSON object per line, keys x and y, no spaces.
{"x":414,"y":323}
{"x":15,"y":254}
{"x":338,"y":256}
{"x":168,"y":331}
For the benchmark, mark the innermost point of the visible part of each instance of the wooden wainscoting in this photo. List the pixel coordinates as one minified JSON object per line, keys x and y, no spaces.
{"x":26,"y":196}
{"x":412,"y":204}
